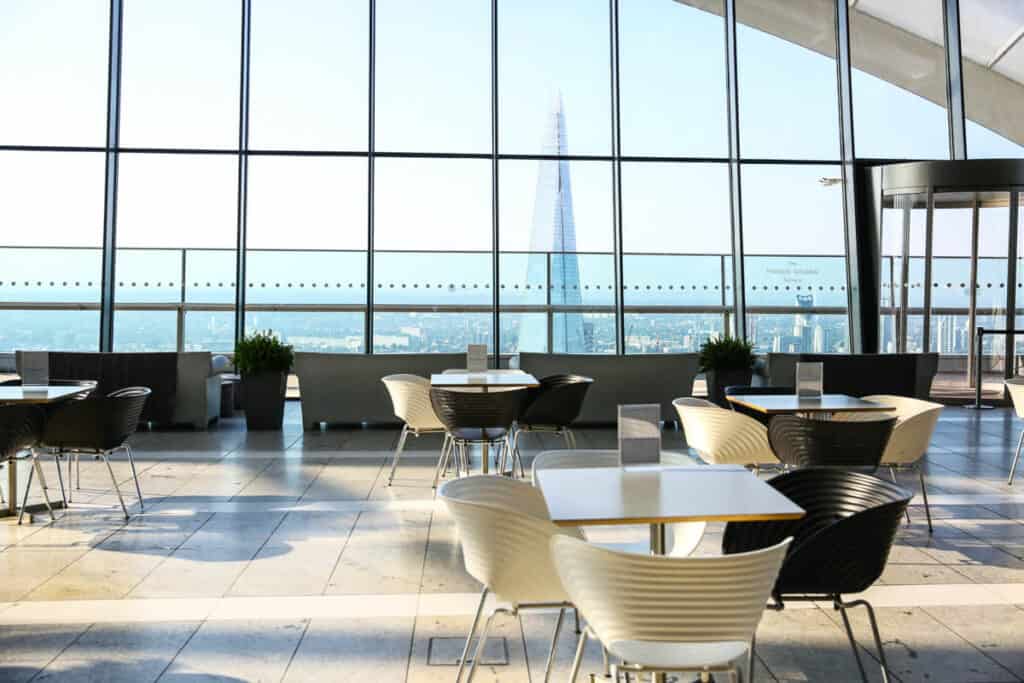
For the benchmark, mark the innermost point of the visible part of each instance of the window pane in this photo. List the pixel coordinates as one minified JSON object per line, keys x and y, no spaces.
{"x":556,"y":251}
{"x":677,"y":243}
{"x":787,"y":79}
{"x":672,"y":59}
{"x":554,"y":58}
{"x":993,"y":66}
{"x":433,"y":249}
{"x":306,"y":248}
{"x":430,"y":332}
{"x":899,"y":65}
{"x":180,"y":73}
{"x":309,"y":75}
{"x":334,"y":332}
{"x":51,"y":235}
{"x":433,"y":69}
{"x":53,"y":65}
{"x":795,"y":258}
{"x":173,"y":249}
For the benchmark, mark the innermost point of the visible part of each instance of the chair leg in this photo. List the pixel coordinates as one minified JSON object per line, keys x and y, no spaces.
{"x":135,"y":476}
{"x":28,"y":487}
{"x":750,"y":658}
{"x":398,"y":452}
{"x":842,"y":606}
{"x":578,"y":659}
{"x":68,"y":455}
{"x":442,"y":463}
{"x":60,"y":480}
{"x":518,"y":458}
{"x":78,"y":472}
{"x":1016,"y":458}
{"x":576,"y":616}
{"x":554,"y":645}
{"x":472,"y":631}
{"x":482,"y":643}
{"x":924,"y":494}
{"x":853,"y":642}
{"x":572,"y":438}
{"x":117,"y":488}
{"x":892,"y":473}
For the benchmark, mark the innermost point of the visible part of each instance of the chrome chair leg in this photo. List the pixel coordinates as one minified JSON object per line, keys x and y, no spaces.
{"x":78,"y":472}
{"x":117,"y":488}
{"x":853,"y":643}
{"x":135,"y":476}
{"x":577,"y":660}
{"x":1016,"y":458}
{"x":892,"y":474}
{"x":60,"y":480}
{"x":37,"y":470}
{"x":554,"y":645}
{"x":472,"y":631}
{"x":924,"y":494}
{"x":572,"y":438}
{"x":842,"y":607}
{"x":442,"y":463}
{"x":68,"y":455}
{"x":482,"y":643}
{"x":398,"y":452}
{"x":28,"y":487}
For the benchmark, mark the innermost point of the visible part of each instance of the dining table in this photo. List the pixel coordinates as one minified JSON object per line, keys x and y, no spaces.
{"x":817,"y":407}
{"x":42,"y":395}
{"x":484,"y":381}
{"x":658,"y":495}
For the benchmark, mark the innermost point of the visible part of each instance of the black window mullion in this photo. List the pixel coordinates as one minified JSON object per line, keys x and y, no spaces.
{"x":243,"y":168}
{"x":109,"y":260}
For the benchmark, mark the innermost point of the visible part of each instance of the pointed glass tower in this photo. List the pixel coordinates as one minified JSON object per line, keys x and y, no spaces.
{"x":554,"y":233}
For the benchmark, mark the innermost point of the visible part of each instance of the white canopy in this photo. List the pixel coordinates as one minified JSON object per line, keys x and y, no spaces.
{"x":902,"y":43}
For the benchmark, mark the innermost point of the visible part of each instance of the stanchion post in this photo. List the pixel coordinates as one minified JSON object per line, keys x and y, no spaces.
{"x":980,"y":334}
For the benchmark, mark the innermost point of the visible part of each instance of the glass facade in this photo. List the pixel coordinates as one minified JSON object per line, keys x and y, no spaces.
{"x":380,"y":176}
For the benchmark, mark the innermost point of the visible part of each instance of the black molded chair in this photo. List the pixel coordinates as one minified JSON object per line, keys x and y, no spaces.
{"x":553,"y":406}
{"x":473,"y":417}
{"x":100,"y":427}
{"x":746,"y":390}
{"x":803,"y":442}
{"x":840,"y":546}
{"x":20,"y":428}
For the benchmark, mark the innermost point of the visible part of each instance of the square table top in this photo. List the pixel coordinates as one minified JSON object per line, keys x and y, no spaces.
{"x":772,"y":404}
{"x":483,"y":379}
{"x":661,"y":494}
{"x":40,"y":394}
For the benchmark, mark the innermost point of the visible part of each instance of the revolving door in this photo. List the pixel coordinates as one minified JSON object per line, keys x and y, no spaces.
{"x":950,"y":262}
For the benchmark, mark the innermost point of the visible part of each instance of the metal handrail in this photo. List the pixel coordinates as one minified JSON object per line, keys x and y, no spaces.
{"x":979,"y":359}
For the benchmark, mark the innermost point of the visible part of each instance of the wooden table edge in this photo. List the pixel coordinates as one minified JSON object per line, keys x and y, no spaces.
{"x":769,"y":517}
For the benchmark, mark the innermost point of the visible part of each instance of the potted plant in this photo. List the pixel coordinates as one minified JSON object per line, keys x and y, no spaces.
{"x":726,"y":361}
{"x":263,"y":362}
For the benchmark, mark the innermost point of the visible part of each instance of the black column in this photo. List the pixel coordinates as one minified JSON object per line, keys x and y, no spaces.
{"x":243,"y":169}
{"x":108,"y":282}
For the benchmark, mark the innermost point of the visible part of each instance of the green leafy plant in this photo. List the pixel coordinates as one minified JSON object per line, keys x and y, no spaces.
{"x":262,"y":352}
{"x":726,"y":353}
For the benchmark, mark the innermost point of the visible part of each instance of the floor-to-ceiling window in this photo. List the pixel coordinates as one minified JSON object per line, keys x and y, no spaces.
{"x":396,"y":171}
{"x":53,"y":76}
{"x":793,"y":238}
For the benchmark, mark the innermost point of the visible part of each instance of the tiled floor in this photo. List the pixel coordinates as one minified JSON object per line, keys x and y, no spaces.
{"x":284,"y":556}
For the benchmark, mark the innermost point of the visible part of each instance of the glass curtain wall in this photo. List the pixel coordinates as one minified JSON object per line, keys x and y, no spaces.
{"x":433,"y":174}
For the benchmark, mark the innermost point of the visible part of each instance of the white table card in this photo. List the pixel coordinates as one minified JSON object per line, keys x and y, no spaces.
{"x":35,"y":368}
{"x":639,"y":434}
{"x":809,"y":380}
{"x":476,"y":358}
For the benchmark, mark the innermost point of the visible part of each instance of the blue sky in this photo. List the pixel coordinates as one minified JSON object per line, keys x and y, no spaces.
{"x":309,"y":91}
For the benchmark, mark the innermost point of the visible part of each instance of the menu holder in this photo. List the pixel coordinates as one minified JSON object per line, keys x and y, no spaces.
{"x":35,"y":368}
{"x":476,"y":358}
{"x":639,"y":434}
{"x":809,"y":380}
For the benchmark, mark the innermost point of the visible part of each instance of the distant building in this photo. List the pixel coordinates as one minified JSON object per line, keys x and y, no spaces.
{"x":554,"y":231}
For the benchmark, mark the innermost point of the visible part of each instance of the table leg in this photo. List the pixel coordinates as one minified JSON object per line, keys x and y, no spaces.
{"x":486,"y":451}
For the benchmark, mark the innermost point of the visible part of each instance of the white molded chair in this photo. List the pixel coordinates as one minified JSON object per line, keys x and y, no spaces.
{"x":683,"y":538}
{"x":505,"y":532}
{"x":908,"y":444}
{"x":410,"y":398}
{"x":1016,"y":388}
{"x":669,"y":614}
{"x":724,"y":437}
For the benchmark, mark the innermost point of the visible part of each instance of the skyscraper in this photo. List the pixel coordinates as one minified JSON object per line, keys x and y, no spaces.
{"x":554,"y":231}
